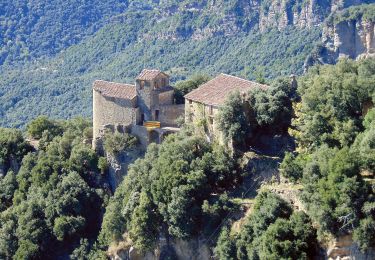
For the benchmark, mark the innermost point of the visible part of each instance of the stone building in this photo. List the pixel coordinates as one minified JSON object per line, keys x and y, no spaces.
{"x":146,"y":109}
{"x":203,"y":103}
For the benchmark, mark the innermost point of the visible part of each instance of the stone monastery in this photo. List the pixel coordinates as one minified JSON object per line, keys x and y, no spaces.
{"x":148,"y":110}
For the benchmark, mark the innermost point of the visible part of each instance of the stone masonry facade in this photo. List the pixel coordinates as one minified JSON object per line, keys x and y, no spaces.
{"x":148,"y":111}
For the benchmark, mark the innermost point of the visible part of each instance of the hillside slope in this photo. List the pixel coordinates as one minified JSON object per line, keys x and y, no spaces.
{"x":182,"y":37}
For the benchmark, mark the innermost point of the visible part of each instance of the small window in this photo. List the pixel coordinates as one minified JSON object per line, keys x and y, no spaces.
{"x":210,"y":110}
{"x":142,"y":118}
{"x":156,"y":115}
{"x":141,"y":84}
{"x":190,"y":101}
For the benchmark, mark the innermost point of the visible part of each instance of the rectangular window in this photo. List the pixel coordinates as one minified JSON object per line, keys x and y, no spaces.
{"x":156,"y":115}
{"x":141,"y":84}
{"x":210,"y":110}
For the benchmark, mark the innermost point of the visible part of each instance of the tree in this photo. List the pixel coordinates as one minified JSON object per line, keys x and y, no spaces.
{"x":268,"y":208}
{"x":8,"y":186}
{"x":232,"y":121}
{"x":225,"y":248}
{"x":186,"y":86}
{"x":292,"y":166}
{"x":144,"y":225}
{"x":13,"y":148}
{"x":364,"y":235}
{"x":117,"y":142}
{"x":82,"y":251}
{"x":36,"y":127}
{"x":288,"y":239}
{"x":332,"y":98}
{"x":66,"y":226}
{"x":273,"y":107}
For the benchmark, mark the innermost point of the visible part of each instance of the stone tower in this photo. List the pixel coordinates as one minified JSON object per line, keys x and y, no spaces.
{"x":149,"y":85}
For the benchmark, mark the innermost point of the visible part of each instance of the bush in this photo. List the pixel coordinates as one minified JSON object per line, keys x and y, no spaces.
{"x":292,"y":167}
{"x":36,"y":127}
{"x":116,"y":143}
{"x":186,"y":86}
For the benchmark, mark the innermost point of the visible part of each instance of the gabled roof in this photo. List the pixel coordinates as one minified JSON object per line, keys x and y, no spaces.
{"x":147,"y":74}
{"x":216,"y":91}
{"x":116,"y":90}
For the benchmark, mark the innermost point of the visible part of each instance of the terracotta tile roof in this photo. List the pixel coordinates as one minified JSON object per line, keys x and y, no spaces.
{"x":215,"y":91}
{"x":116,"y":90}
{"x":147,"y":74}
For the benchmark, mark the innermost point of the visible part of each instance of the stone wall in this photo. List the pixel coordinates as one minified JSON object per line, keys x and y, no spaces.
{"x":112,"y":111}
{"x":166,"y":98}
{"x":168,"y":114}
{"x":142,"y":134}
{"x":204,"y":117}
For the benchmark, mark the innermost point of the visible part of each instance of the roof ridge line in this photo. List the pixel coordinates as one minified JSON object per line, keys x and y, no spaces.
{"x":102,"y":80}
{"x":243,"y":79}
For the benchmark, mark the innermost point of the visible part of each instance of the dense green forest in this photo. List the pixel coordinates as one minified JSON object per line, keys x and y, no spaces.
{"x":56,"y":200}
{"x":51,"y":53}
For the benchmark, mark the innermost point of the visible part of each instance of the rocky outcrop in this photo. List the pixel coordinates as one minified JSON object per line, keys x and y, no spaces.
{"x":193,"y":249}
{"x":219,"y":18}
{"x":352,"y":38}
{"x":118,"y":165}
{"x":344,"y":248}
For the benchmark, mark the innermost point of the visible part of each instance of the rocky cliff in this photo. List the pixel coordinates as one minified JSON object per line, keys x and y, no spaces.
{"x":349,"y":33}
{"x":203,"y":19}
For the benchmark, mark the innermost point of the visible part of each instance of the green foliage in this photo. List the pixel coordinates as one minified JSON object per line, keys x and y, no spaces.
{"x":63,"y":89}
{"x":273,"y":107}
{"x":37,"y":127}
{"x":337,"y":146}
{"x":81,"y":252}
{"x":334,"y":191}
{"x":103,"y":164}
{"x":365,"y":233}
{"x":8,"y":185}
{"x":144,"y":225}
{"x":186,"y":86}
{"x":365,"y":146}
{"x":292,"y":166}
{"x":334,"y":118}
{"x":67,"y":226}
{"x":53,"y":200}
{"x":225,"y":249}
{"x":289,"y":239}
{"x":369,"y":119}
{"x":12,"y":148}
{"x":168,"y":188}
{"x":117,"y":142}
{"x":265,"y":112}
{"x":272,"y":231}
{"x":232,"y":120}
{"x":365,"y":12}
{"x":30,"y":30}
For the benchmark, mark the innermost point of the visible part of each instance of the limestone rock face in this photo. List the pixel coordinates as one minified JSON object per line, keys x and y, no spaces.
{"x":246,"y":16}
{"x":344,"y":248}
{"x":353,"y":39}
{"x":182,"y":249}
{"x":118,"y":165}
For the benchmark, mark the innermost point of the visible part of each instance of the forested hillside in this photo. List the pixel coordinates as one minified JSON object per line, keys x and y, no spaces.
{"x":51,"y":53}
{"x":56,"y":202}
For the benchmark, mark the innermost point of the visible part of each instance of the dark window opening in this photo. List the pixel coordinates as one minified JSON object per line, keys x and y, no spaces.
{"x":156,"y":115}
{"x":142,"y":118}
